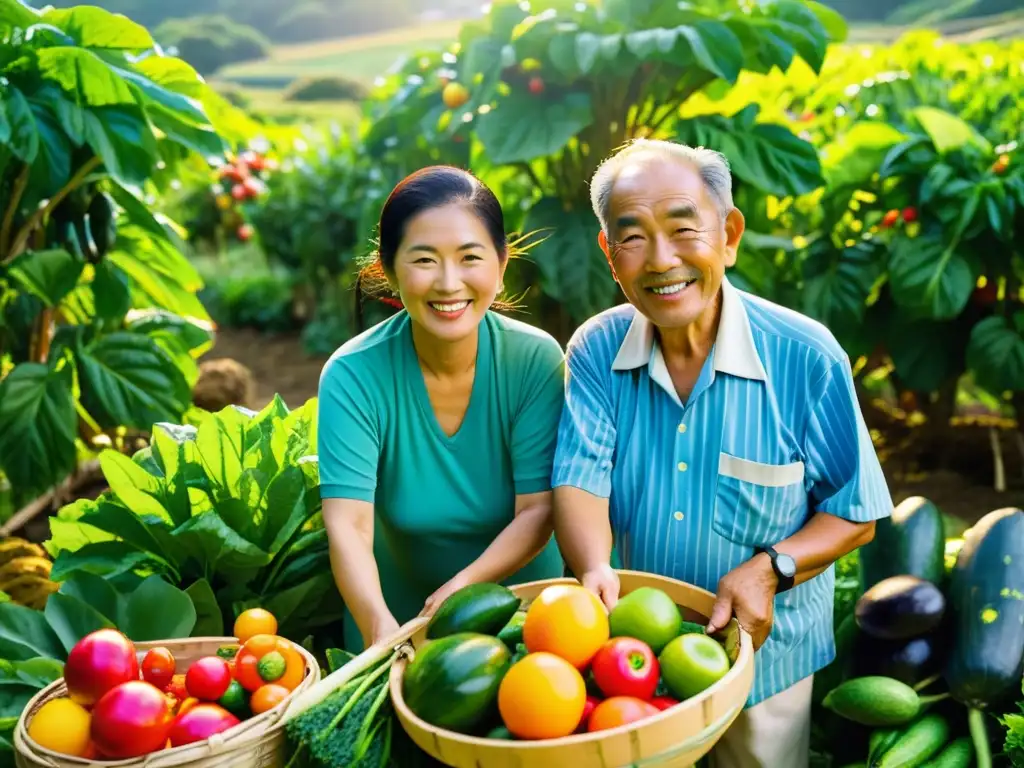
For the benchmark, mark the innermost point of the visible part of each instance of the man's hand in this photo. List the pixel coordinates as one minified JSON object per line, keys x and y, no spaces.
{"x":445,"y":591}
{"x":748,"y":593}
{"x":383,"y":628}
{"x":603,"y":581}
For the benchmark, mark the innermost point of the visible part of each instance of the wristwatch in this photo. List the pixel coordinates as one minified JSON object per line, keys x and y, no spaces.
{"x":784,"y":566}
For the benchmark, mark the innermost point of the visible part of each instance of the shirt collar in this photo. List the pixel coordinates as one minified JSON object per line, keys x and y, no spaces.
{"x":734,"y":351}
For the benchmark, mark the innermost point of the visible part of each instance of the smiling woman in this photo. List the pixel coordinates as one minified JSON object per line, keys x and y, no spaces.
{"x":438,"y":425}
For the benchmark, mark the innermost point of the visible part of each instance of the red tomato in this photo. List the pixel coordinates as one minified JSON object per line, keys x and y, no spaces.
{"x":208,"y":678}
{"x":246,"y":671}
{"x":625,"y":666}
{"x":131,"y":720}
{"x":176,"y":687}
{"x":619,"y":710}
{"x":592,"y":701}
{"x":201,"y":722}
{"x":99,"y":662}
{"x":663,"y":702}
{"x":158,"y":668}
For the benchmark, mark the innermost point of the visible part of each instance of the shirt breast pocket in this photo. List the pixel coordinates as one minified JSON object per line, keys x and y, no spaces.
{"x":757,"y":504}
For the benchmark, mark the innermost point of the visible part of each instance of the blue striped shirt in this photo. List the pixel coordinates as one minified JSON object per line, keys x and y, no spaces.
{"x":771,"y":433}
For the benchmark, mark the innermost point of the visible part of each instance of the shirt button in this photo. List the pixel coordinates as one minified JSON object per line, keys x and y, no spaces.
{"x":682,"y":427}
{"x":678,"y":515}
{"x":682,"y":466}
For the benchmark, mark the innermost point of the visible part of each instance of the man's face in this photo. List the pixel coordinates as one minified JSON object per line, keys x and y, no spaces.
{"x":668,"y":245}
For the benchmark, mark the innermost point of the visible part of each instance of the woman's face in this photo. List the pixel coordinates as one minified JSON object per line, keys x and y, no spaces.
{"x":447,"y":271}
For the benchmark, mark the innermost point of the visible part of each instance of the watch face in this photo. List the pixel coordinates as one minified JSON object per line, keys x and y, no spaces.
{"x":786,"y":564}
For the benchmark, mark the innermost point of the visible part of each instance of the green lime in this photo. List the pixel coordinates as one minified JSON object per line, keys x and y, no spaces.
{"x":235,"y":700}
{"x":271,"y":666}
{"x":692,"y":663}
{"x":646,"y":614}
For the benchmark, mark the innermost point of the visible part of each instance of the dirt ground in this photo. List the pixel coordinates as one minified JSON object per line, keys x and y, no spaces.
{"x":280,"y":365}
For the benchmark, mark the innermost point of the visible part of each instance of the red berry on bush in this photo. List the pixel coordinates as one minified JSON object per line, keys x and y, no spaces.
{"x":536,"y":85}
{"x":245,"y":232}
{"x":890,"y":218}
{"x":910,"y":214}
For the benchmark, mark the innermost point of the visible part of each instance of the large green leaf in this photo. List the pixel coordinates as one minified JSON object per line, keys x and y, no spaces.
{"x":920,"y":365}
{"x":573,"y":269}
{"x":94,"y":590}
{"x":103,"y":558}
{"x":211,"y":541}
{"x":138,"y":490}
{"x":768,"y":156}
{"x":52,"y":167}
{"x":50,"y":275}
{"x":947,"y":131}
{"x":195,"y":335}
{"x":524,"y":127}
{"x":128,"y":380}
{"x":838,"y":284}
{"x":93,"y":27}
{"x":150,"y":534}
{"x":995,"y":353}
{"x":71,"y":619}
{"x":209,"y":617}
{"x":929,"y":277}
{"x":855,"y":155}
{"x":21,"y":125}
{"x":25,"y":634}
{"x":123,"y":139}
{"x":111,"y":295}
{"x":85,"y":76}
{"x":15,"y":14}
{"x":37,"y":424}
{"x":157,"y":610}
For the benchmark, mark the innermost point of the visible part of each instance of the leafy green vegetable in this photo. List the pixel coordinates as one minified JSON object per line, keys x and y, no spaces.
{"x":1014,"y":744}
{"x":228,"y":510}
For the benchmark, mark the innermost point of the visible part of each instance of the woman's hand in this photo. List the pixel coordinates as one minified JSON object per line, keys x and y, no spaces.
{"x":383,"y":628}
{"x":446,"y":590}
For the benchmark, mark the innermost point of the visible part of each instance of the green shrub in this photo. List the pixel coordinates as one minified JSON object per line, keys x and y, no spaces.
{"x":325,"y":89}
{"x":211,"y":42}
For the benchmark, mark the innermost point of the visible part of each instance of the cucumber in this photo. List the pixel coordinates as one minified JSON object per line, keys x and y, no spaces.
{"x":957,"y":754}
{"x":986,"y":597}
{"x":512,"y":633}
{"x":453,"y":682}
{"x":480,"y":608}
{"x":919,"y":742}
{"x":910,"y":542}
{"x":874,"y":701}
{"x":880,"y":741}
{"x":900,"y":608}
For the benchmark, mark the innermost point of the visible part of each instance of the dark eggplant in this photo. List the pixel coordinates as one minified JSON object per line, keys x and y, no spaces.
{"x":909,"y":661}
{"x":900,"y":608}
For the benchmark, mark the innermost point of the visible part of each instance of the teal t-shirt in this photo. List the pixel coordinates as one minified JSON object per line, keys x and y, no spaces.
{"x":439,"y":501}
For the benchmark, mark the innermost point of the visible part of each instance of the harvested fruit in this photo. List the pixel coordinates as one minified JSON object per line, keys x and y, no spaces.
{"x":484,"y":608}
{"x":208,"y":678}
{"x":235,"y":700}
{"x":620,"y":710}
{"x":568,"y":621}
{"x":254,"y":621}
{"x":267,"y":697}
{"x":691,"y":664}
{"x":269,"y":659}
{"x":97,"y":663}
{"x":176,"y":687}
{"x":900,"y":608}
{"x":271,"y":666}
{"x":201,"y":722}
{"x":625,"y":666}
{"x":158,"y":667}
{"x":512,"y":633}
{"x":588,"y":707}
{"x":874,"y":701}
{"x":542,"y":677}
{"x":648,"y":614}
{"x":63,"y":726}
{"x":663,"y":702}
{"x":131,"y":720}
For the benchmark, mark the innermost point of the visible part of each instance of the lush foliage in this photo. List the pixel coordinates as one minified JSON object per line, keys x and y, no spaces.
{"x":100,"y":326}
{"x":228,"y":510}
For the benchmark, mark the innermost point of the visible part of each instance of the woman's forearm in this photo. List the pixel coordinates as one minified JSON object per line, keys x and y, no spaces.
{"x":355,"y":572}
{"x":521,"y":541}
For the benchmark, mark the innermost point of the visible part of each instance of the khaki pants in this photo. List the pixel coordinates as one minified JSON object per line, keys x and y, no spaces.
{"x":773,"y":734}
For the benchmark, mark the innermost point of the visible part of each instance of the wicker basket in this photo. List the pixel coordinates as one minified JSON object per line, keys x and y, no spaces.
{"x":258,"y":742}
{"x":674,"y":738}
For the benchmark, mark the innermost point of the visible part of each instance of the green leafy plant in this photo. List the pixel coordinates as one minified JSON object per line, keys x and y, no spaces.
{"x":228,"y":510}
{"x":99,"y":323}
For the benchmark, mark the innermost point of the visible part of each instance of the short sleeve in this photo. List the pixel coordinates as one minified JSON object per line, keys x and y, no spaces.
{"x":845,"y":474}
{"x":348,"y":435}
{"x":536,"y":423}
{"x":586,"y":431}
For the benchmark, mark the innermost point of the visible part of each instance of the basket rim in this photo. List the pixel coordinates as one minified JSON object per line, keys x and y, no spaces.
{"x":744,"y":659}
{"x":249,"y":731}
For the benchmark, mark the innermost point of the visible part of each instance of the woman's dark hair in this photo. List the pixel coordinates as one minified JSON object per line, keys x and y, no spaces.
{"x":431,"y":187}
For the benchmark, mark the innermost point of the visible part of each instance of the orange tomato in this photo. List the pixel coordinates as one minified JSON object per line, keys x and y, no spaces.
{"x":569,"y":621}
{"x":266,"y":697}
{"x":542,"y":696}
{"x":619,"y":710}
{"x":295,"y":666}
{"x":261,"y":644}
{"x":246,"y":671}
{"x":254,"y":621}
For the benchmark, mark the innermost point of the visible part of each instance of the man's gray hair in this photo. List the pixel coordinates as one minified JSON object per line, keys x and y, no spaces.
{"x":712,"y":166}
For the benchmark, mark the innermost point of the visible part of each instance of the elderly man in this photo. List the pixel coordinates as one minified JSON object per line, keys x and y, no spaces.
{"x":715,"y":437}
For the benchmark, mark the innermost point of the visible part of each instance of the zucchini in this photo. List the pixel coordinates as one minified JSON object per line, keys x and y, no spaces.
{"x":877,"y":701}
{"x":483,"y":609}
{"x":911,"y":542}
{"x":957,"y":754}
{"x":880,"y":741}
{"x":453,"y":682}
{"x":900,"y":608}
{"x":512,"y":633}
{"x":915,"y":745}
{"x":986,"y":653}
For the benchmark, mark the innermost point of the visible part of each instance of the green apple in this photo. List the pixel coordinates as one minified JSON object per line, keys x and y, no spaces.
{"x":646,"y":614}
{"x":692,"y":663}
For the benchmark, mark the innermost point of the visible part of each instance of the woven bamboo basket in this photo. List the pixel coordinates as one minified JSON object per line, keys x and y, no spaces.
{"x":674,"y":738}
{"x":258,"y":742}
